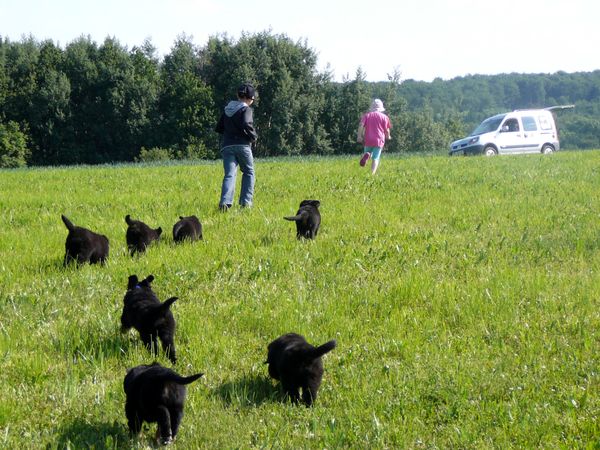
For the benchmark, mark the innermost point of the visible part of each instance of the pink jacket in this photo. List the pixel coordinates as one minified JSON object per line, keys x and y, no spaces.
{"x":376,"y":125}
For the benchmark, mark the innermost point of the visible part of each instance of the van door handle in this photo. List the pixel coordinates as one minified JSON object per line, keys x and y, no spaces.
{"x":525,"y":135}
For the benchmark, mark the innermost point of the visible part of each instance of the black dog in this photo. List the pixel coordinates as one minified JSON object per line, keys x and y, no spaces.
{"x":83,"y":245}
{"x":139,"y":235}
{"x":187,"y":228}
{"x":155,"y":394}
{"x":308,"y":219}
{"x":297,"y":364}
{"x":154,"y":320}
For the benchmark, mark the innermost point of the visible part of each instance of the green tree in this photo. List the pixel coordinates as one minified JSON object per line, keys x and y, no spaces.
{"x":13,"y":146}
{"x":50,"y":107}
{"x":142,"y":88}
{"x":580,"y":132}
{"x":290,"y":91}
{"x":113,"y":101}
{"x":20,"y":61}
{"x":3,"y":73}
{"x":80,"y":67}
{"x":355,"y":99}
{"x":187,"y":114}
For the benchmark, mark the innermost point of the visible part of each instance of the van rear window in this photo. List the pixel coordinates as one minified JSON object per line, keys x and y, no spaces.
{"x":529,"y":123}
{"x":545,"y":123}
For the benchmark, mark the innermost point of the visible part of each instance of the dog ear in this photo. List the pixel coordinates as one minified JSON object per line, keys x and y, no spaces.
{"x":149,"y":279}
{"x":133,"y":281}
{"x":159,"y":230}
{"x":128,"y":219}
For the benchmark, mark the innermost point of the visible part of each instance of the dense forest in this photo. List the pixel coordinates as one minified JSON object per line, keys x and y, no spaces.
{"x":95,"y":103}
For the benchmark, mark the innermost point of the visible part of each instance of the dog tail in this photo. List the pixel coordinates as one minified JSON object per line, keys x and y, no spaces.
{"x":173,"y":377}
{"x":317,"y":352}
{"x":167,"y":303}
{"x":67,"y":223}
{"x":297,"y":217}
{"x":184,"y":380}
{"x":128,"y":219}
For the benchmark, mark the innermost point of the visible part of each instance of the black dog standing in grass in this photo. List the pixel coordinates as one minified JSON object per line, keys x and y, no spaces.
{"x":154,"y":320}
{"x":155,"y":394}
{"x":308,"y":219}
{"x":83,"y":245}
{"x":188,"y":228}
{"x":139,"y":235}
{"x":297,"y":364}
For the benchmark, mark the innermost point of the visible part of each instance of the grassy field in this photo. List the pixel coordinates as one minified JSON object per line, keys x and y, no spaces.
{"x":464,"y":295}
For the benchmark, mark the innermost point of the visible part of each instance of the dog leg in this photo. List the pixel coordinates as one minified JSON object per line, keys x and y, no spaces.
{"x":154,"y":348}
{"x":133,"y":421}
{"x":164,"y":426}
{"x":176,"y":416}
{"x":168,"y":347}
{"x":67,"y":260}
{"x":150,"y":342}
{"x":81,"y":259}
{"x":309,"y":394}
{"x":292,"y":392}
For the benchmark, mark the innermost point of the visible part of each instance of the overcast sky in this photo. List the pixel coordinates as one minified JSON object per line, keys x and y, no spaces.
{"x":423,"y":39}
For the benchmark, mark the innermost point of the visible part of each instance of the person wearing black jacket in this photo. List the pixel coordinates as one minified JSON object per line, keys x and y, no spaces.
{"x":237,"y":129}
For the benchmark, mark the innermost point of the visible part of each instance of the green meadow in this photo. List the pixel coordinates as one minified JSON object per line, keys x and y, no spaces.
{"x":463,"y":294}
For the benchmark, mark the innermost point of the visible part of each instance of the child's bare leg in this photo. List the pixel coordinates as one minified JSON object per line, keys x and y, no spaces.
{"x":374,"y":165}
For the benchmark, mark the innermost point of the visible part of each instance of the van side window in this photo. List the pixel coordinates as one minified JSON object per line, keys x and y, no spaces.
{"x":511,"y":125}
{"x":545,"y":123}
{"x":529,"y":123}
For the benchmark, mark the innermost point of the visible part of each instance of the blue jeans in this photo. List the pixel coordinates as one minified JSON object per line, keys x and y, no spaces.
{"x":234,"y":155}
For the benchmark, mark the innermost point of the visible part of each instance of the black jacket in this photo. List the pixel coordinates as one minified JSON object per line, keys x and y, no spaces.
{"x":236,"y":125}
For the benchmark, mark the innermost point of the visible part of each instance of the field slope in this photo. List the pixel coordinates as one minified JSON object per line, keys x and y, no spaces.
{"x":463,"y":294}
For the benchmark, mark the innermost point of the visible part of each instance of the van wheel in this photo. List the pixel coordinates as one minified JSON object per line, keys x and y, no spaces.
{"x":547,"y":149}
{"x":490,"y":151}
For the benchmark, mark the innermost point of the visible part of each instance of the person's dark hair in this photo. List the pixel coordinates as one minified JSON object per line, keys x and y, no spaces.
{"x":246,"y":90}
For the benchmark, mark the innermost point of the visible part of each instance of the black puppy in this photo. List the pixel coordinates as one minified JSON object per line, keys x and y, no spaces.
{"x":139,"y":235}
{"x":297,"y":364}
{"x":154,"y":320}
{"x":308,"y":219}
{"x":83,"y":245}
{"x":155,"y":394}
{"x":187,"y":228}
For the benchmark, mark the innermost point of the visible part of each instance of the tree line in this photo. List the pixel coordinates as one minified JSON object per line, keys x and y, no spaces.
{"x":97,"y":103}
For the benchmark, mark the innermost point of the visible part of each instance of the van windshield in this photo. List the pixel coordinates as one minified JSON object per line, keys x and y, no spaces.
{"x":488,"y":125}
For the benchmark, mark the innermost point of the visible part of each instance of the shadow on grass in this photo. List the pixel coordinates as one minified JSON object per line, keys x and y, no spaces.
{"x":249,"y":391}
{"x":92,"y":346}
{"x":98,"y":435}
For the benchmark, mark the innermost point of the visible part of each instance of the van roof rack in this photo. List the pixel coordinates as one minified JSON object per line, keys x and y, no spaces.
{"x":559,"y":107}
{"x":549,"y":108}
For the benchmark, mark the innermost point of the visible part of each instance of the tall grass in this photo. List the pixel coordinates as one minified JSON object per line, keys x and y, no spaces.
{"x":463,"y":292}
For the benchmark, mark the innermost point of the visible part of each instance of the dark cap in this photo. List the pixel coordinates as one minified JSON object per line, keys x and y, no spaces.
{"x":246,"y":90}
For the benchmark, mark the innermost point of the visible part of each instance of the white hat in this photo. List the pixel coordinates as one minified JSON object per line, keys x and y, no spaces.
{"x":377,"y":105}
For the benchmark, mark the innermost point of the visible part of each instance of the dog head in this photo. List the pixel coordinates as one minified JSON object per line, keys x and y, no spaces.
{"x":134,"y":283}
{"x":315,"y":203}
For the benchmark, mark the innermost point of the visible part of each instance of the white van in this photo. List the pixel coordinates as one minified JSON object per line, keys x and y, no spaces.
{"x":520,"y":131}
